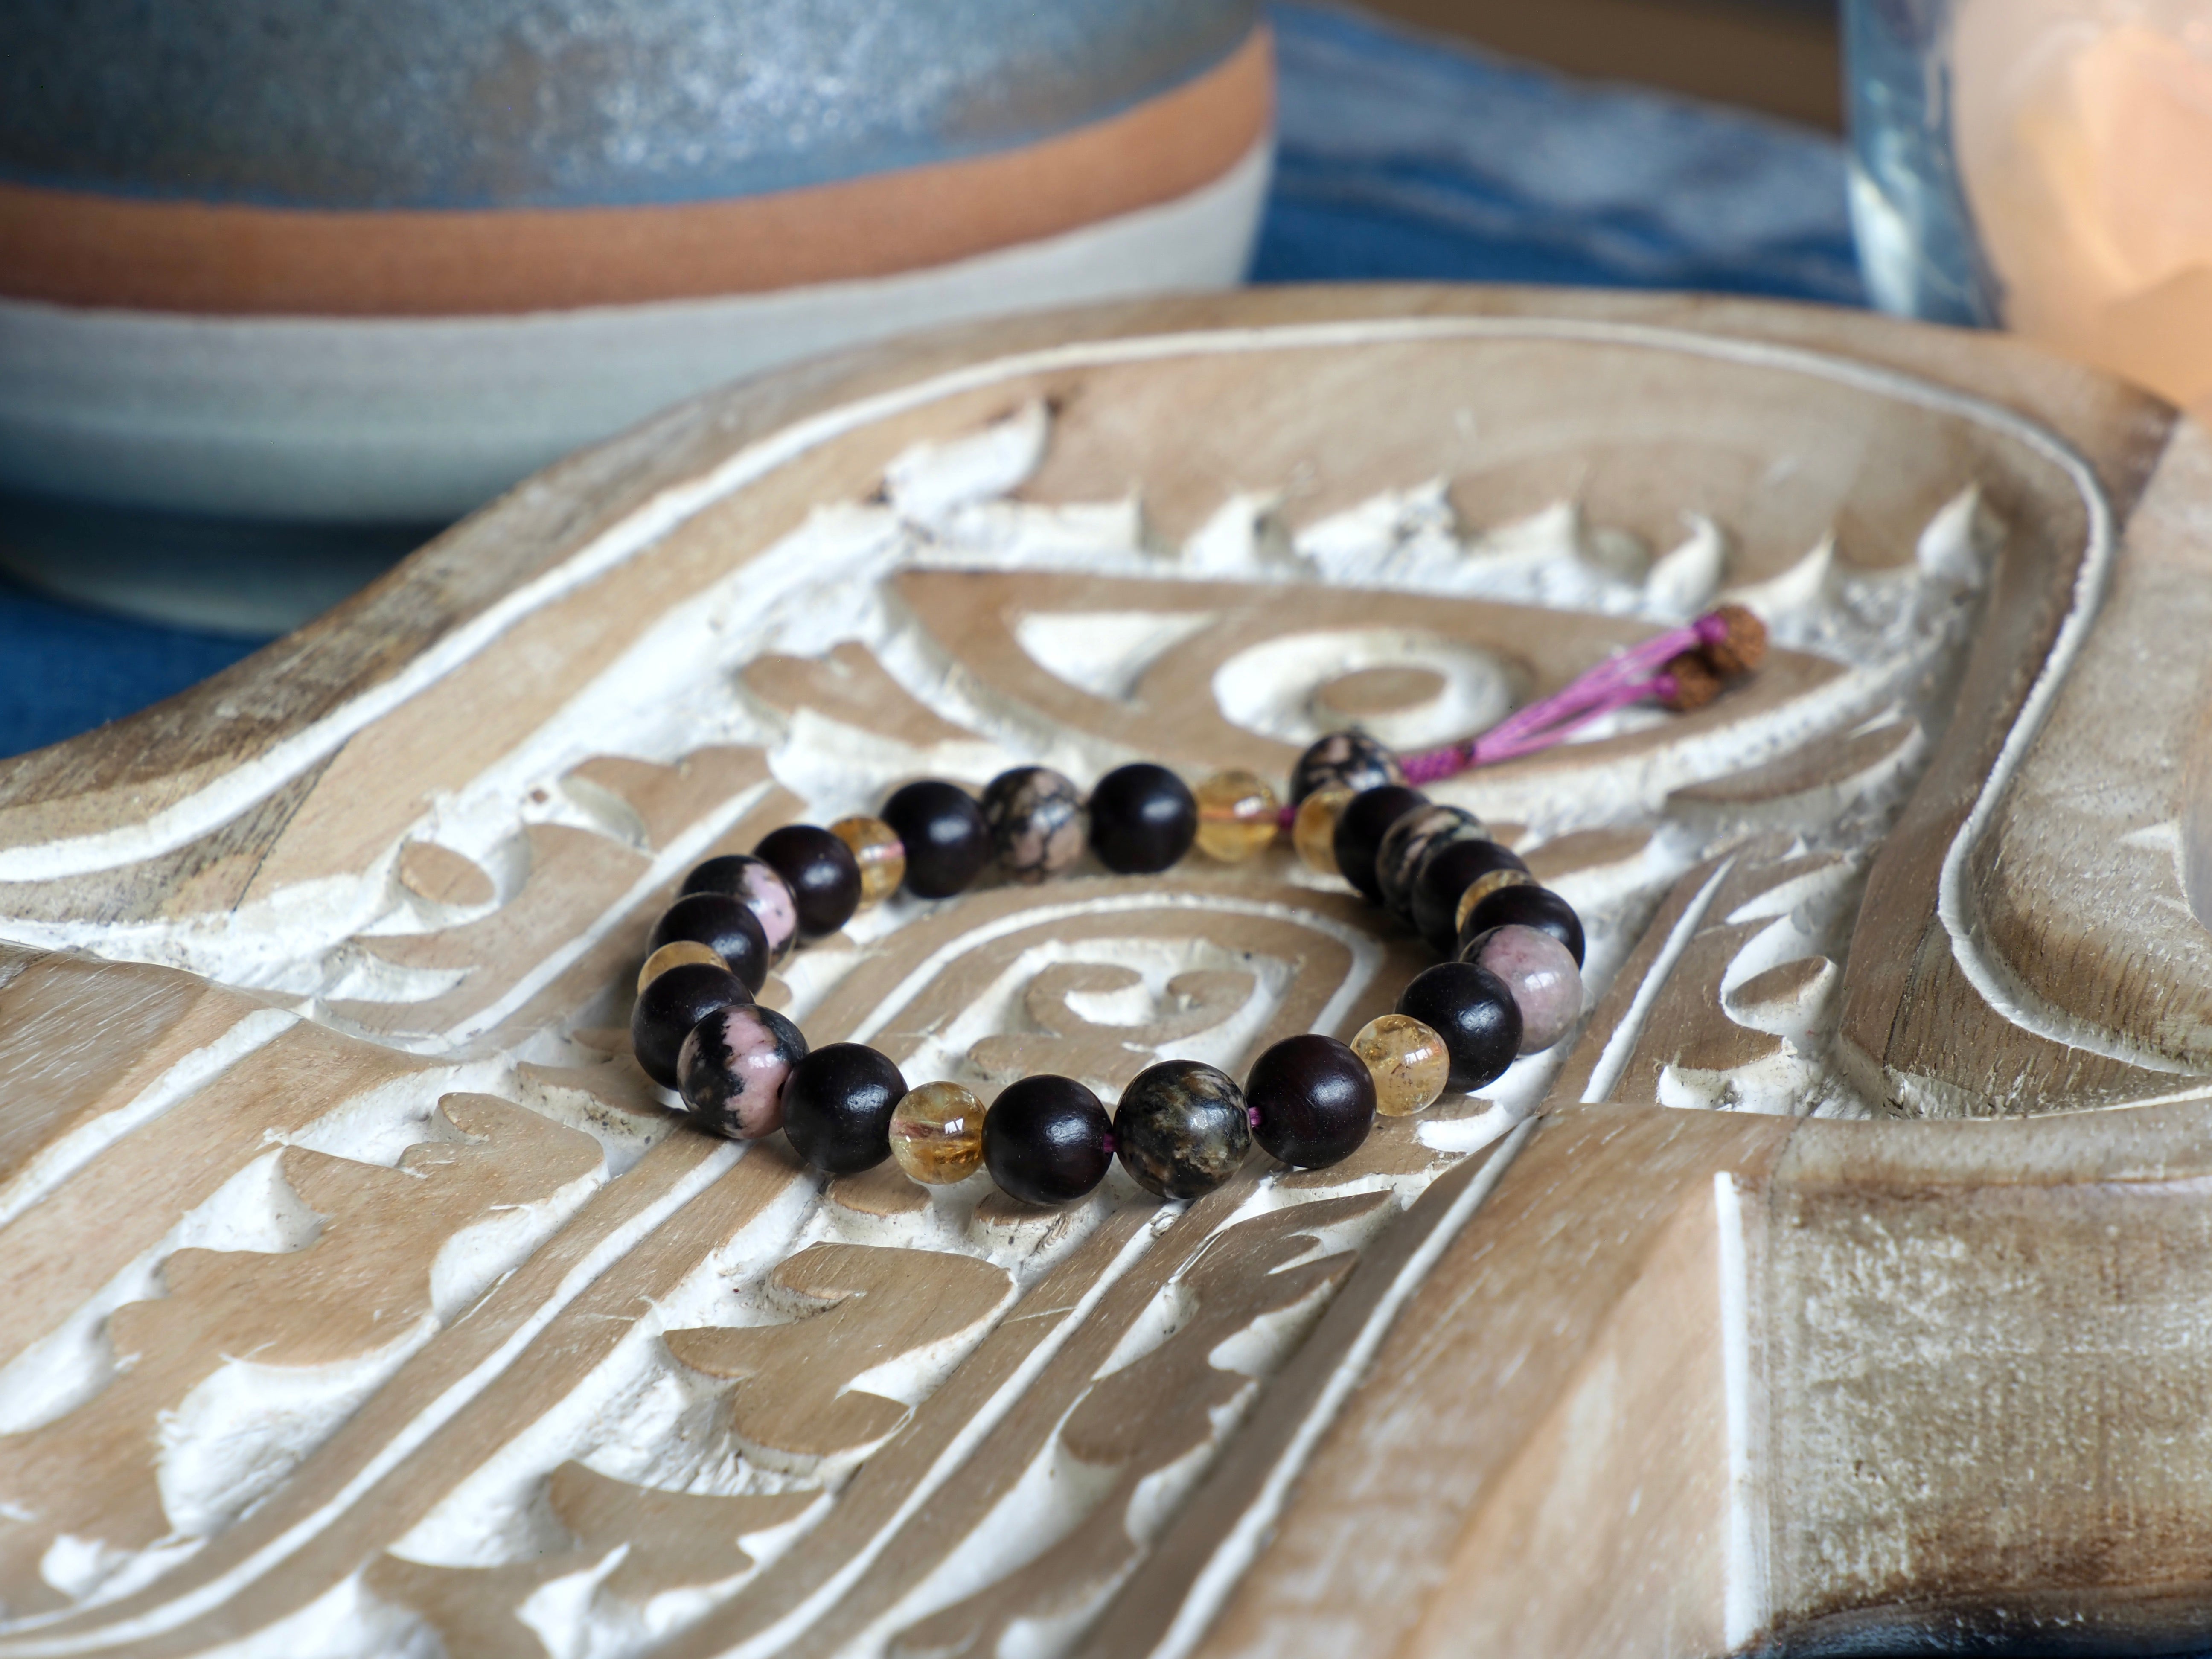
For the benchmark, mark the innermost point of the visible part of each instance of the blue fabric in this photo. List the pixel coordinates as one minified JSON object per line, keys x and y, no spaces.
{"x":1401,"y":158}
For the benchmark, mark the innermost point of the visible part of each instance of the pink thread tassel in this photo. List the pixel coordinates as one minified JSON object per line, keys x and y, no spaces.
{"x":1621,"y":680}
{"x":1625,"y":678}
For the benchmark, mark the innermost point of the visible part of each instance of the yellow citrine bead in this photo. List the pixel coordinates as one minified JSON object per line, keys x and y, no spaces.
{"x":1236,"y":817}
{"x":880,"y":853}
{"x":1483,"y":886}
{"x":675,"y":954}
{"x":1313,"y":832}
{"x":937,"y":1133}
{"x":1407,"y":1061}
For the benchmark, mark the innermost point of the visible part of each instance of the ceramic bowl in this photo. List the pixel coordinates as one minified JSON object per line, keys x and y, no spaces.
{"x":366,"y":265}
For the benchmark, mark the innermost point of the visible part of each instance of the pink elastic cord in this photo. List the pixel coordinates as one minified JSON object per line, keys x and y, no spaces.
{"x":1622,"y":679}
{"x":1626,"y":677}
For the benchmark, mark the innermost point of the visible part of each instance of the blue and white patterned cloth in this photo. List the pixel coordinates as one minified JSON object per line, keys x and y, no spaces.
{"x":1402,"y":158}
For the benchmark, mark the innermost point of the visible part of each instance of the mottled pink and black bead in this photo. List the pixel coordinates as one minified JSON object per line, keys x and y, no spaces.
{"x":1408,"y":841}
{"x":1036,"y":816}
{"x":1541,"y":973}
{"x":1345,"y":760}
{"x":754,"y":883}
{"x":733,"y":1068}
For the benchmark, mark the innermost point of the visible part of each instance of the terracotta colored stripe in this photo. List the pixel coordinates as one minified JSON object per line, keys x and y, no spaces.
{"x":82,"y":249}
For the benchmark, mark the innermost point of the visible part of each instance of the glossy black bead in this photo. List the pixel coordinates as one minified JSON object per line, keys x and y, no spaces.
{"x":1449,"y":870}
{"x":1046,"y":1141}
{"x":1411,"y":840}
{"x":837,"y":1108}
{"x":1182,"y":1128}
{"x":1527,"y":907}
{"x":1314,"y":1100}
{"x":724,"y":925}
{"x":1143,"y":818}
{"x":1366,"y":818}
{"x":823,"y":876}
{"x":948,"y":840}
{"x":668,"y":1007}
{"x":1473,"y":1012}
{"x":755,"y":883}
{"x":1343,"y":760}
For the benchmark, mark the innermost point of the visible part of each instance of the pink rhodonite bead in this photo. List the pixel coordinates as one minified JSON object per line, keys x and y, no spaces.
{"x":1541,"y":972}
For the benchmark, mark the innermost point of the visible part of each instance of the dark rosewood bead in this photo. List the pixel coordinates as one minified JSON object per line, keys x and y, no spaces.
{"x":1182,"y":1128}
{"x":823,"y":876}
{"x":1046,"y":1140}
{"x":837,"y":1108}
{"x":1366,"y":818}
{"x":1449,"y":870}
{"x":1314,"y":1101}
{"x":1473,"y":1012}
{"x":754,"y":883}
{"x":1143,"y":818}
{"x":1409,"y":840}
{"x":1036,"y":816}
{"x":1346,"y":760}
{"x":1539,"y":908}
{"x":947,"y":840}
{"x":724,"y":925}
{"x":667,"y":1009}
{"x":733,"y":1068}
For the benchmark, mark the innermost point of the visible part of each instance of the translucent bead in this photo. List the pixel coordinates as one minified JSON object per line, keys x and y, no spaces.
{"x":1409,"y":1062}
{"x":1482,"y":887}
{"x":1313,"y":832}
{"x":675,"y":955}
{"x":1236,"y":817}
{"x":879,"y":853}
{"x":937,"y":1133}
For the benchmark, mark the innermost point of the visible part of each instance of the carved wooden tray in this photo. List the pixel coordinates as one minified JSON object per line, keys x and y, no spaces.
{"x":362,"y":1298}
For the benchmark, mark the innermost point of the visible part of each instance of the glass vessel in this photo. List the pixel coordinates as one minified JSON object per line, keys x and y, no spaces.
{"x":2043,"y":164}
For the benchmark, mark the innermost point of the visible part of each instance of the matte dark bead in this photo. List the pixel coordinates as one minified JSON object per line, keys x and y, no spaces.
{"x":1539,"y":908}
{"x":755,"y":883}
{"x":837,"y":1108}
{"x":1346,"y":760}
{"x":667,"y":1009}
{"x":733,"y":1068}
{"x":1036,"y":816}
{"x":1409,"y":840}
{"x":724,"y":925}
{"x":1473,"y":1012}
{"x":1449,"y":869}
{"x":1314,"y":1100}
{"x":1182,"y":1128}
{"x":823,"y":876}
{"x":1366,"y":818}
{"x":947,"y":840}
{"x":1143,"y":818}
{"x":1046,"y":1140}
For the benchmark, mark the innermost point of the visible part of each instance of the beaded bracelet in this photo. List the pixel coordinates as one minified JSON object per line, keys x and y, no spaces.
{"x":1511,"y":984}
